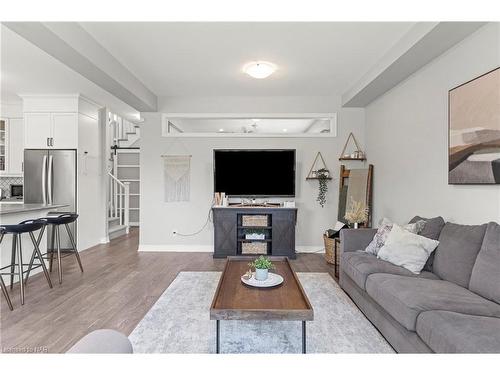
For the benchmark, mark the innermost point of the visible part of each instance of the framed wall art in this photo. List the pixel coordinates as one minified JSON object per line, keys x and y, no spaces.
{"x":474,"y":131}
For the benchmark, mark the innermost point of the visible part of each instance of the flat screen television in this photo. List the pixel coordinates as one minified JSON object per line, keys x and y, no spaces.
{"x":255,"y":173}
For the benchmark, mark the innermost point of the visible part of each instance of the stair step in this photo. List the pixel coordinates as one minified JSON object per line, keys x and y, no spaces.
{"x":130,"y":133}
{"x":112,"y":219}
{"x":116,"y":231}
{"x":116,"y":228}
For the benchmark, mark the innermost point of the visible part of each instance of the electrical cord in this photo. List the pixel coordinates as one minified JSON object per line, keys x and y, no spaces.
{"x":209,"y":220}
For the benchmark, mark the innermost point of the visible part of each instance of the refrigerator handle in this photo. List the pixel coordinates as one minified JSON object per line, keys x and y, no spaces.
{"x":44,"y":179}
{"x":51,"y":192}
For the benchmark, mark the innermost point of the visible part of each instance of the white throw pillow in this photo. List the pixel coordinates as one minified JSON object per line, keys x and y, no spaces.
{"x":406,"y":249}
{"x":383,"y":231}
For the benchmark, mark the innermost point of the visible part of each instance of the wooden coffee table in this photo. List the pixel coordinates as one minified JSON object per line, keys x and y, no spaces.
{"x":234,"y":300}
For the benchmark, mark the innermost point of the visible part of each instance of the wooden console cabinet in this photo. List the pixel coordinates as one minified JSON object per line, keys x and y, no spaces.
{"x":278,"y":229}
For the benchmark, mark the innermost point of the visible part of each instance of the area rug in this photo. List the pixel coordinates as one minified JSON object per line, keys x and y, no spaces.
{"x":179,"y":322}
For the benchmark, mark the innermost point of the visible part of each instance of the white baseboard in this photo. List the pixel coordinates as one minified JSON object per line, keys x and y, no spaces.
{"x":178,"y":248}
{"x":104,"y":240}
{"x":310,"y":249}
{"x":210,"y":248}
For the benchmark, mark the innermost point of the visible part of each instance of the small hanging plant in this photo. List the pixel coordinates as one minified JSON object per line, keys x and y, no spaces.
{"x":323,"y":175}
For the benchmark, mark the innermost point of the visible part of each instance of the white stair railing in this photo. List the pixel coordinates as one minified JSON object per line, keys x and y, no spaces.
{"x":119,"y":201}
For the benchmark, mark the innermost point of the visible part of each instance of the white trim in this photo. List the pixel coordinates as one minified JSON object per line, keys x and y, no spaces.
{"x":332,"y":116}
{"x":320,"y":249}
{"x":128,"y":151}
{"x":104,"y":240}
{"x":209,"y":248}
{"x":178,"y":248}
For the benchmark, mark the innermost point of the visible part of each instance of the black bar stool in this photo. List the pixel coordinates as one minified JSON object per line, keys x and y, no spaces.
{"x":27,"y":226}
{"x":55,"y":222}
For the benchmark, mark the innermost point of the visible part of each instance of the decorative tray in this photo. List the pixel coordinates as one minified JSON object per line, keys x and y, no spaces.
{"x":273,"y":279}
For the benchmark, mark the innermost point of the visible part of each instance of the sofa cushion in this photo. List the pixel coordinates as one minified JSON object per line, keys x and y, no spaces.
{"x":451,"y":332}
{"x":432,"y":229}
{"x":457,"y":252}
{"x":404,"y":298}
{"x":358,"y":265}
{"x":485,"y":278}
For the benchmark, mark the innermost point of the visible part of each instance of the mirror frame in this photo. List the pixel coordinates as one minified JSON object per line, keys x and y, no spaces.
{"x":331,"y":116}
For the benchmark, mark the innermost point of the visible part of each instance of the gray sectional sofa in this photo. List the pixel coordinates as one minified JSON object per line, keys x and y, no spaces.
{"x":452,"y":306}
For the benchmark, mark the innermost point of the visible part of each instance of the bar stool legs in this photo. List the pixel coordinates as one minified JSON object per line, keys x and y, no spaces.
{"x":74,"y":246}
{"x":6,"y":294}
{"x":56,"y":240}
{"x":59,"y":259}
{"x":39,"y":255}
{"x":13,"y":261}
{"x":52,"y":244}
{"x":20,"y":267}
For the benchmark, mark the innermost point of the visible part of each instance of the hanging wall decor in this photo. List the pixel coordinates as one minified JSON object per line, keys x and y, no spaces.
{"x":319,"y":171}
{"x":356,"y":154}
{"x":177,"y":170}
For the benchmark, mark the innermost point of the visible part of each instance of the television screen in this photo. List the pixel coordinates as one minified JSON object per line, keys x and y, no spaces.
{"x":255,"y":173}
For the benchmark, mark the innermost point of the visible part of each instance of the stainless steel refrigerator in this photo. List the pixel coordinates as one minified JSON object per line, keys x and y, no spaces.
{"x":50,"y":178}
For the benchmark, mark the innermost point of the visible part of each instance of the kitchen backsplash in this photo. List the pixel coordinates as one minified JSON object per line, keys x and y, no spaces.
{"x":5,"y":183}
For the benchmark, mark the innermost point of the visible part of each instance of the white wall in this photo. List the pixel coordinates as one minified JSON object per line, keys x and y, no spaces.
{"x":92,"y":226}
{"x":159,"y":219}
{"x":407,"y":139}
{"x":11,"y":109}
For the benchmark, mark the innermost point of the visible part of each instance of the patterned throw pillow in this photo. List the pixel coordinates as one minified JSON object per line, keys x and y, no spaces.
{"x":384,"y":230}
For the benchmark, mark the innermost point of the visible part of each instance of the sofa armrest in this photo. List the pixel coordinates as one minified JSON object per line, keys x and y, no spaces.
{"x":356,"y":239}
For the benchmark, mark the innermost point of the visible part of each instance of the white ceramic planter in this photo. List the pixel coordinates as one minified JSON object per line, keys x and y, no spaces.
{"x":261,"y":274}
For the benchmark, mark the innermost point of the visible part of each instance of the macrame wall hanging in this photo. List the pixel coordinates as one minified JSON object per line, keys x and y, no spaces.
{"x":177,"y":171}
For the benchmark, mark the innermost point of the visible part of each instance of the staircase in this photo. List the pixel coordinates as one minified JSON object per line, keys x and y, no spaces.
{"x":118,"y":207}
{"x":124,"y":133}
{"x":123,"y":199}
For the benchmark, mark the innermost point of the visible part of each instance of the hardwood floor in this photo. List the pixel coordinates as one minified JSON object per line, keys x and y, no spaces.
{"x":117,"y":289}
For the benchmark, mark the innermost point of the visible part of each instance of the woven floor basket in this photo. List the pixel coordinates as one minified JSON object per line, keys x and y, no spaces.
{"x":329,"y":249}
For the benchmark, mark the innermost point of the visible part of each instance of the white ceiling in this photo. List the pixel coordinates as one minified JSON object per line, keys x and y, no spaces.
{"x":26,"y":69}
{"x":205,"y":59}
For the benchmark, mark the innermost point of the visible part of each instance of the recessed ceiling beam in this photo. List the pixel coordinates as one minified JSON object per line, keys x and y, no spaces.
{"x":423,"y":43}
{"x":69,"y":43}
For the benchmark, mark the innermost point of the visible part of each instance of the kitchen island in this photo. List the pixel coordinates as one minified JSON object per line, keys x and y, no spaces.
{"x":14,"y":214}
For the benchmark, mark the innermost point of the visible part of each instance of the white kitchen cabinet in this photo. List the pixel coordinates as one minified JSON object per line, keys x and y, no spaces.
{"x":11,"y":147}
{"x":4,"y":145}
{"x":37,"y":130}
{"x":16,"y":148}
{"x":64,"y":130}
{"x":51,"y":130}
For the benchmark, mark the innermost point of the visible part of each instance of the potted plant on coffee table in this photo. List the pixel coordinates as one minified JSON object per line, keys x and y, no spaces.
{"x":262,"y":266}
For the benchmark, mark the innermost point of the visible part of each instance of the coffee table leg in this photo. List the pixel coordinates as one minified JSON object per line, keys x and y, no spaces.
{"x":217,"y":336}
{"x":303,"y":337}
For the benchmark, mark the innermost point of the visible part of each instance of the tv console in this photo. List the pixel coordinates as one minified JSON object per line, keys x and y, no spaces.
{"x":234,"y":224}
{"x":273,"y":205}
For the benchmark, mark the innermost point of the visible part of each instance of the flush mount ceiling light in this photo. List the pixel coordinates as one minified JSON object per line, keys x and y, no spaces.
{"x":259,"y":69}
